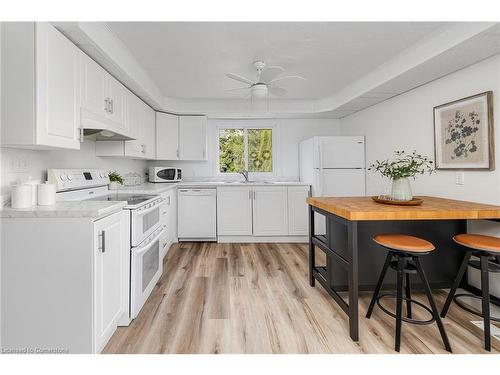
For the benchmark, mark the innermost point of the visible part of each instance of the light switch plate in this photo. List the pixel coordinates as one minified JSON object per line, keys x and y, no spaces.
{"x":459,"y":178}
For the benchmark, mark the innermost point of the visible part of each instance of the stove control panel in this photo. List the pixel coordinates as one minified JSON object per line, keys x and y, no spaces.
{"x":71,"y":179}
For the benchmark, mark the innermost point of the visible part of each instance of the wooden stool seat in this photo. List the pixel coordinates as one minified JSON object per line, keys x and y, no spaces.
{"x":478,"y":242}
{"x":402,"y":242}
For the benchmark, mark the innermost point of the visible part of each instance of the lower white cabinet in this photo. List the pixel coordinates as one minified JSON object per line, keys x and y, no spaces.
{"x":234,"y":211}
{"x":65,"y":286}
{"x":298,"y":214}
{"x":270,"y":211}
{"x":110,"y":277}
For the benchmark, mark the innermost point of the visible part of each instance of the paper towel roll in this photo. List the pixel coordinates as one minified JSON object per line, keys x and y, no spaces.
{"x":34,"y":190}
{"x":20,"y":196}
{"x":46,"y":194}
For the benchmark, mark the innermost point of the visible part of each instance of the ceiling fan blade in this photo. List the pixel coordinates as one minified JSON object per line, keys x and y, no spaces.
{"x":278,"y":91}
{"x":239,"y":78}
{"x":286,"y":77}
{"x":270,"y":73}
{"x":238,"y":88}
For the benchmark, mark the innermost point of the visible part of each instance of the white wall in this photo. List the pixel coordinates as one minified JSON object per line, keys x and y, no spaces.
{"x":290,"y":133}
{"x":37,"y":163}
{"x":406,"y":122}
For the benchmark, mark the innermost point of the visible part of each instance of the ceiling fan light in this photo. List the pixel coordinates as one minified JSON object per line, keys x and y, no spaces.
{"x":259,"y":91}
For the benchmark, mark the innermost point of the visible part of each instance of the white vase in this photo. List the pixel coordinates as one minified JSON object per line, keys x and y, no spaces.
{"x":401,"y":189}
{"x":113,"y":185}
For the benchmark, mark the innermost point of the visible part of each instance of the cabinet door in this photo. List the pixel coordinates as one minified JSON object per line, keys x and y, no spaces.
{"x":111,"y":247}
{"x":234,"y":211}
{"x":167,"y":136}
{"x":149,"y":131}
{"x":192,"y":138}
{"x":94,"y":105}
{"x":134,"y":118}
{"x":270,"y":216}
{"x":297,"y":210}
{"x":117,"y":106}
{"x":57,"y":89}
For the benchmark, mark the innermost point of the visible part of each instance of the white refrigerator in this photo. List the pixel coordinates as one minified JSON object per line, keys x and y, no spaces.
{"x":334,"y":166}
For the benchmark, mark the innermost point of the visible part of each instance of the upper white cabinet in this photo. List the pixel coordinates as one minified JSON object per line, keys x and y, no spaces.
{"x":270,"y":213}
{"x":234,"y":211}
{"x":297,"y":210}
{"x":103,"y":98}
{"x":192,"y":138}
{"x":167,"y":136}
{"x":181,"y":137}
{"x":40,"y":87}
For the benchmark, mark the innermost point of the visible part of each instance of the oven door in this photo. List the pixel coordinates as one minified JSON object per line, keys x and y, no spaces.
{"x":145,"y":221}
{"x":146,"y":269}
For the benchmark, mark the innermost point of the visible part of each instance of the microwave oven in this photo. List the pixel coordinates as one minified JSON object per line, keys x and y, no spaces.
{"x":164,"y":174}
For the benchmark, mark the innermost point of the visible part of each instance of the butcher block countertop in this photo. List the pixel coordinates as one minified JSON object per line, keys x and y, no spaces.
{"x":433,"y":208}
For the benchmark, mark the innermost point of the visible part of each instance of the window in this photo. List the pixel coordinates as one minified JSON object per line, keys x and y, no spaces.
{"x":245,"y":148}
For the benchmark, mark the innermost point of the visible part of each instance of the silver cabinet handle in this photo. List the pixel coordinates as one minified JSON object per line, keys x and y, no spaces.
{"x":106,"y":105}
{"x":143,"y":148}
{"x":102,"y":237}
{"x":112,"y":106}
{"x":250,"y":194}
{"x":177,"y":153}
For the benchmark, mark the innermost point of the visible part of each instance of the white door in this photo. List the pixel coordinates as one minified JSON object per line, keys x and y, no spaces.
{"x":117,"y":106}
{"x":270,"y":214}
{"x":298,"y":223}
{"x":340,"y":152}
{"x":167,"y":136}
{"x":94,"y":100}
{"x":197,"y":214}
{"x":234,"y":211}
{"x":110,"y":249}
{"x":57,"y":89}
{"x":192,"y":138}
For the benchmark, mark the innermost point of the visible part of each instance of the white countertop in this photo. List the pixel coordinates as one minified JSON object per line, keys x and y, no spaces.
{"x":161,"y":187}
{"x":71,"y":209}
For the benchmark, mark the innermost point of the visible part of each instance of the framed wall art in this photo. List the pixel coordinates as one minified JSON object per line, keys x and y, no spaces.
{"x":463,"y":133}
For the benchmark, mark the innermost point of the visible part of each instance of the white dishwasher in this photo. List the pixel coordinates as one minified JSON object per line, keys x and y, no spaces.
{"x":197,"y":214}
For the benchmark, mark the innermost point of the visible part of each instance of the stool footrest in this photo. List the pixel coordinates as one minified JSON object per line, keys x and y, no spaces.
{"x":403,"y":318}
{"x":469,"y":309}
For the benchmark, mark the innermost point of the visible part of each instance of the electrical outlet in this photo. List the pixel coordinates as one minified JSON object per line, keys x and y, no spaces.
{"x":459,"y":178}
{"x":18,"y":165}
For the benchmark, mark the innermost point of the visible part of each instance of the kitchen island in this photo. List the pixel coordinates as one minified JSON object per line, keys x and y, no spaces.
{"x":354,"y":261}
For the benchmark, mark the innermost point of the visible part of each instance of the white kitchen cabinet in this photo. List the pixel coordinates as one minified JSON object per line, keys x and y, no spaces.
{"x":234,"y":211}
{"x":110,"y":281}
{"x":270,"y":211}
{"x":167,"y":136}
{"x":149,"y":132}
{"x":192,"y":138}
{"x":40,"y":87}
{"x":103,"y":98}
{"x":298,"y":224}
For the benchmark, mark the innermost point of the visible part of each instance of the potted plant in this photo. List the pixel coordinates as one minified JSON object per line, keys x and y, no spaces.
{"x":115,"y":180}
{"x":400,"y":170}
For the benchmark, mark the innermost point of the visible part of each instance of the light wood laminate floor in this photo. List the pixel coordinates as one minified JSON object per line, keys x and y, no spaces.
{"x":255,"y":298}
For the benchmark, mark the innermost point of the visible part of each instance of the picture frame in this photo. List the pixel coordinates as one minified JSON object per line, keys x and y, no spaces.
{"x":463,"y":133}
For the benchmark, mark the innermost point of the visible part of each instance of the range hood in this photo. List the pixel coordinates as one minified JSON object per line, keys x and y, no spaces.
{"x":105,"y":135}
{"x":99,"y":128}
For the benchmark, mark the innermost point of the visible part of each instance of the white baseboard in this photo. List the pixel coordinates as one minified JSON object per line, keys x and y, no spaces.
{"x":257,"y":239}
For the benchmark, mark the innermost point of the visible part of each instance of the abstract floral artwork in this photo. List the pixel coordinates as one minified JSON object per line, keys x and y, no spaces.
{"x":463,"y":133}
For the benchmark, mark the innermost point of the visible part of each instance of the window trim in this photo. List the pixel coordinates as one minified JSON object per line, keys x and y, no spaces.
{"x":248,"y":125}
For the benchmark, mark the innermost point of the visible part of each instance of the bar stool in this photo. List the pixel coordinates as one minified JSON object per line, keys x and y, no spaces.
{"x":403,"y":256}
{"x":484,"y":247}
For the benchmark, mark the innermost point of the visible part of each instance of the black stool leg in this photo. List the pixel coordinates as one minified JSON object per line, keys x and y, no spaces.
{"x":456,"y":283}
{"x":379,"y":285}
{"x":485,"y":291}
{"x":435,"y":312}
{"x":399,"y":302}
{"x":408,"y":295}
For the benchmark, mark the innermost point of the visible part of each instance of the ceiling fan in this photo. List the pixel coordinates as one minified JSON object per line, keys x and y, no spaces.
{"x":265,"y":82}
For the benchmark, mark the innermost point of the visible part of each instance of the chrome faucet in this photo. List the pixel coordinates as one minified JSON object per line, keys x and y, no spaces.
{"x":244,"y":172}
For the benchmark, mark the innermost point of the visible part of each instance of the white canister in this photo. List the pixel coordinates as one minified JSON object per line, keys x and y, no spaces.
{"x":46,"y":194}
{"x":21,"y":196}
{"x":34,"y":190}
